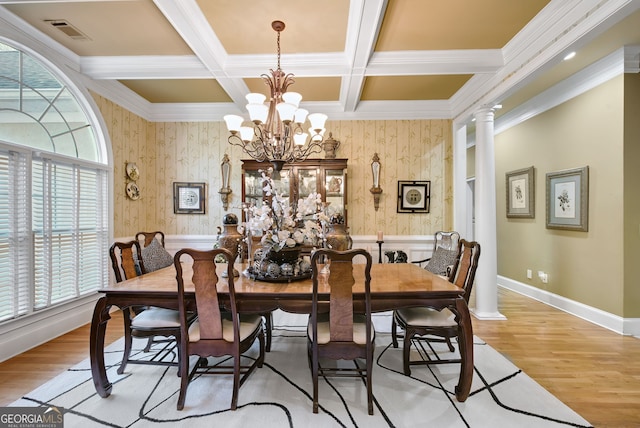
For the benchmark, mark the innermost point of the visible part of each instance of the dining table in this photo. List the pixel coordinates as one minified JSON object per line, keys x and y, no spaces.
{"x":393,"y":286}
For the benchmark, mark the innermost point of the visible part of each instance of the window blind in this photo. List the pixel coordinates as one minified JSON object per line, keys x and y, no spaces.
{"x":53,"y":231}
{"x":15,"y":234}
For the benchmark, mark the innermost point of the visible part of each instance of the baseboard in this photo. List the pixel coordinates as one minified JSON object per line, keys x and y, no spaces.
{"x":626,"y":326}
{"x":23,"y":334}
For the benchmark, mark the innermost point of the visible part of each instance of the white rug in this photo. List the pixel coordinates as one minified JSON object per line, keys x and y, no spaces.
{"x":279,"y":393}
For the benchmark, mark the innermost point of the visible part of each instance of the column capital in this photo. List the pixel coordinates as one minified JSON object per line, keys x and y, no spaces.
{"x":485,"y":114}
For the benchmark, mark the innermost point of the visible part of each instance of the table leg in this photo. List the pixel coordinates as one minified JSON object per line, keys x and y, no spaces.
{"x":96,"y":347}
{"x":465,"y":344}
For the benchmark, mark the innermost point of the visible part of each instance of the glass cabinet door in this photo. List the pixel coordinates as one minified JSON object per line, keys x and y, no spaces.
{"x":334,"y":187}
{"x":252,"y":188}
{"x":307,"y":182}
{"x":328,"y":177}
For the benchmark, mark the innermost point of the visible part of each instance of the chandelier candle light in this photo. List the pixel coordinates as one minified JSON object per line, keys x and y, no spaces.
{"x":277,"y":134}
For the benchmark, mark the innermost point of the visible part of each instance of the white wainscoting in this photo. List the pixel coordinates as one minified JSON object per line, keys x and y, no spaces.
{"x":416,"y":247}
{"x":28,"y":332}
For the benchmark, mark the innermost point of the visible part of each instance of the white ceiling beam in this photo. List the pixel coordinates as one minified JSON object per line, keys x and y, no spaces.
{"x":365,"y":20}
{"x":188,"y":20}
{"x":144,"y":67}
{"x":463,"y":61}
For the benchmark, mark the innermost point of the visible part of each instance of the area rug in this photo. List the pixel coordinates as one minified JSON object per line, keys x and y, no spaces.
{"x":279,"y":393}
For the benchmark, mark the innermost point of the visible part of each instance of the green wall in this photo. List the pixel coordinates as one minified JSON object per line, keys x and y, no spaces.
{"x":631,"y":195}
{"x":587,"y":267}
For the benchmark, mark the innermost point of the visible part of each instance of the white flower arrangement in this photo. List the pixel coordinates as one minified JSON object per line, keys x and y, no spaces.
{"x":283,"y":225}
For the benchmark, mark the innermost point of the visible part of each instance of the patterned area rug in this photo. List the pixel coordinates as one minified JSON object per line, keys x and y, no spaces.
{"x":279,"y":393}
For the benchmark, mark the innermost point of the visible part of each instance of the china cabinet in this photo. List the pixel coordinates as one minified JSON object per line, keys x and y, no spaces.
{"x":298,"y":180}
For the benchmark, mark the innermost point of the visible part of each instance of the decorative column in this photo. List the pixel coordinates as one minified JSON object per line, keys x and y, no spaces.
{"x":486,"y":282}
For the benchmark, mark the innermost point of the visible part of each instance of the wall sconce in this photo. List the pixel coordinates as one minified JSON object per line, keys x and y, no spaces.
{"x":376,"y":190}
{"x":225,"y":191}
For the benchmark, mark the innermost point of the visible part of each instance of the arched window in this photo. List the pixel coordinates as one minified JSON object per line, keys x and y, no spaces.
{"x":53,"y":190}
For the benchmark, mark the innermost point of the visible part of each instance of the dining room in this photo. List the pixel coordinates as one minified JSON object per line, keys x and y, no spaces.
{"x":139,"y":141}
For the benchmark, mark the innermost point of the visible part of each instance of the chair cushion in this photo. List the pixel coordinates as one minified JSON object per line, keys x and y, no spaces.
{"x":359,"y":329}
{"x":155,"y":257}
{"x":440,"y":260}
{"x":426,"y":317}
{"x":248,"y":324}
{"x":156,"y":318}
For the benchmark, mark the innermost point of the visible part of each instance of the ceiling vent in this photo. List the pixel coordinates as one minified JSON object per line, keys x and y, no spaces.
{"x":67,"y":29}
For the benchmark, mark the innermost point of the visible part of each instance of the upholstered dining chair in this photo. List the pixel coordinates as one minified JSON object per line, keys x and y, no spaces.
{"x":142,"y":322}
{"x":436,"y":325}
{"x":215,"y":333}
{"x":155,"y":257}
{"x":443,"y":256}
{"x":340,"y":333}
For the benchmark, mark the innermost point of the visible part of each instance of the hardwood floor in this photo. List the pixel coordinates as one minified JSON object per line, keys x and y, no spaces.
{"x":594,"y":371}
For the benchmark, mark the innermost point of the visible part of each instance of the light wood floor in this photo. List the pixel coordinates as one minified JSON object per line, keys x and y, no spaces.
{"x":594,"y":371}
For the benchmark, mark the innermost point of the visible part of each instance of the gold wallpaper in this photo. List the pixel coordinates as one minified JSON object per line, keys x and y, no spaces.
{"x":167,"y":152}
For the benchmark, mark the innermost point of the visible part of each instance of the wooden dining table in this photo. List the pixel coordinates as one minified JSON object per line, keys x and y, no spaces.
{"x":393,"y":286}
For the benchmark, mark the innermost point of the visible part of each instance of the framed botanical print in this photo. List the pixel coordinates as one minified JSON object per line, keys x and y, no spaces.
{"x":568,"y":199}
{"x":414,"y":196}
{"x":188,"y":198}
{"x":520,"y":190}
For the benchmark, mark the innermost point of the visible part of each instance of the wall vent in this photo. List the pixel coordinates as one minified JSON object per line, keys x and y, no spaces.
{"x":67,"y":29}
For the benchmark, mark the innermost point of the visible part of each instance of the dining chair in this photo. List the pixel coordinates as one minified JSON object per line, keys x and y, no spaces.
{"x":437,"y":326}
{"x":145,"y":238}
{"x":335,"y":330}
{"x":142,"y":321}
{"x":443,"y":256}
{"x":215,"y":333}
{"x":155,"y":257}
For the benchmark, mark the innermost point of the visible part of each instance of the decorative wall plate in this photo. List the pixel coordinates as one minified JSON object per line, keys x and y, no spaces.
{"x":132,"y":171}
{"x":133,"y":191}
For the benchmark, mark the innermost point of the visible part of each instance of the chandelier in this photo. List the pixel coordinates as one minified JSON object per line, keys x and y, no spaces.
{"x":277,"y":133}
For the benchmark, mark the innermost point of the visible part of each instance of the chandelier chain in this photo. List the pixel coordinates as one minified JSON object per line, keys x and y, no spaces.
{"x":277,"y":133}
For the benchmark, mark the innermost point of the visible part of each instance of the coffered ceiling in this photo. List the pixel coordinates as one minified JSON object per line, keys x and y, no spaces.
{"x":352,"y":59}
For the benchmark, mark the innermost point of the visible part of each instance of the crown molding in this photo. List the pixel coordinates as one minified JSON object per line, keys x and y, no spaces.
{"x":588,"y":78}
{"x":558,"y":27}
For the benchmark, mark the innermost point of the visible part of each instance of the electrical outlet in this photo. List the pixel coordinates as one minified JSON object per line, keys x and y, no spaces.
{"x":529,"y":274}
{"x":543,"y":277}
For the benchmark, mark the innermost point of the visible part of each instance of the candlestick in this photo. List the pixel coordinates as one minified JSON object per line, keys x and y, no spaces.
{"x":379,"y":242}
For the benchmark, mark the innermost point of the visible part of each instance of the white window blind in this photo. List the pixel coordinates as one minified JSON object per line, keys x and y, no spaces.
{"x":53,"y":231}
{"x":15,"y":235}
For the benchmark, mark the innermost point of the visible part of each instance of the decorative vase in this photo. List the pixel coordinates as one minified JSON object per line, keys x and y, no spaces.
{"x":330,"y":146}
{"x":338,"y":238}
{"x":286,"y":255}
{"x":285,"y":265}
{"x":230,"y":238}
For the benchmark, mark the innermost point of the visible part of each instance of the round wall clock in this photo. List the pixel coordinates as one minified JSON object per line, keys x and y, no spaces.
{"x":133,"y":191}
{"x":132,"y":171}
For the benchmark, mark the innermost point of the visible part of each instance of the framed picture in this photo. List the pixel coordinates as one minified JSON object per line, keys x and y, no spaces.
{"x":521,"y":185}
{"x":568,"y":199}
{"x":188,"y":198}
{"x":414,"y":196}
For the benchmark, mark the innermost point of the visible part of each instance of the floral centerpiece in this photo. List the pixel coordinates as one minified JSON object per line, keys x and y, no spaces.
{"x":285,"y":227}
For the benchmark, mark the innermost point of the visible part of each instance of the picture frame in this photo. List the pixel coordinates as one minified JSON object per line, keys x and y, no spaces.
{"x":568,"y":199}
{"x":188,"y":198}
{"x":414,"y":196}
{"x":520,"y":192}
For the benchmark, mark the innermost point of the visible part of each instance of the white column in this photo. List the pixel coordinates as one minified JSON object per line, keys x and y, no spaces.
{"x":486,"y":283}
